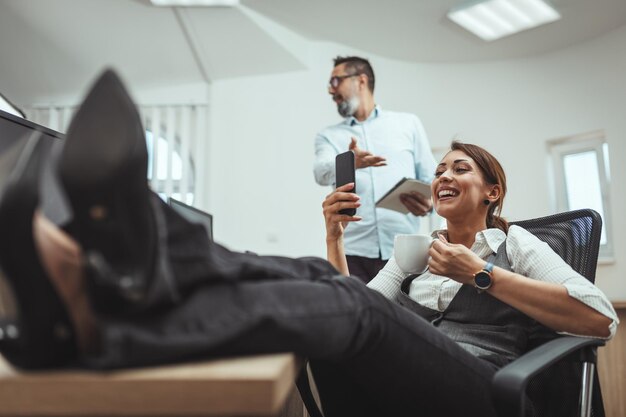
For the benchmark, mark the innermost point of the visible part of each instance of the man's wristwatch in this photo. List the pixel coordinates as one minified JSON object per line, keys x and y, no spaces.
{"x":482,"y":278}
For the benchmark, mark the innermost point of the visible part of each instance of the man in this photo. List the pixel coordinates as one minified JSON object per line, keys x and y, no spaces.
{"x":387,"y":146}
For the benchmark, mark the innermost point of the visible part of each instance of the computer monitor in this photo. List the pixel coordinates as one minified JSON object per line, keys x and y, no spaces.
{"x":15,"y":132}
{"x":194,"y":215}
{"x":7,"y":106}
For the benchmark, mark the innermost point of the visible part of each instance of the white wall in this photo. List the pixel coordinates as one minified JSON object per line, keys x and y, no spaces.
{"x":261,"y":188}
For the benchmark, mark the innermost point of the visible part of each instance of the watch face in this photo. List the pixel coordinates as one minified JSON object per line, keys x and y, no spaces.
{"x":482,"y":280}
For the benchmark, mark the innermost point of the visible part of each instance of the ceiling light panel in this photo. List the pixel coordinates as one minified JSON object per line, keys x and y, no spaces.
{"x":494,"y":19}
{"x":194,"y":3}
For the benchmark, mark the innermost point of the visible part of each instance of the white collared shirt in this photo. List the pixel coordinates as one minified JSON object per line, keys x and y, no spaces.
{"x":528,"y":256}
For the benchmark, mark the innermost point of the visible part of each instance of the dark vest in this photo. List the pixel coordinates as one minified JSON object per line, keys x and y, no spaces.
{"x":480,"y":323}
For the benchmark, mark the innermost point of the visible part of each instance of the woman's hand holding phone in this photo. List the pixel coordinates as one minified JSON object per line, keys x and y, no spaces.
{"x":340,"y":199}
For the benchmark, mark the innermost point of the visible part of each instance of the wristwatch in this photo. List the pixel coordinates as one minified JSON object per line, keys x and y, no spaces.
{"x":482,"y":278}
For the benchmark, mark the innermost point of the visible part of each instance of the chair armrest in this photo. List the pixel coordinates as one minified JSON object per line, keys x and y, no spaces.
{"x":509,"y":383}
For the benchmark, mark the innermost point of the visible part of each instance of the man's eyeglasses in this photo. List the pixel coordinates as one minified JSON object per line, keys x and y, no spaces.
{"x":337,"y":79}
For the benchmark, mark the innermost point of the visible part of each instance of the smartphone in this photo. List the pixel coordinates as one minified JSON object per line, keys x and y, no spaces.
{"x":344,"y":173}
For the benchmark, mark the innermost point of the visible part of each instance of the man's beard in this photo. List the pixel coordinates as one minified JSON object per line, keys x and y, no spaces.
{"x":348,"y":107}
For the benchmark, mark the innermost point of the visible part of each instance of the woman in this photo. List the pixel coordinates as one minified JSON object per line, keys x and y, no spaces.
{"x":131,"y":283}
{"x":468,"y":191}
{"x":529,"y":285}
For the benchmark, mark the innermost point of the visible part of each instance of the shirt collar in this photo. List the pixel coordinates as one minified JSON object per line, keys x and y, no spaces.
{"x":493,"y":237}
{"x":374,"y":114}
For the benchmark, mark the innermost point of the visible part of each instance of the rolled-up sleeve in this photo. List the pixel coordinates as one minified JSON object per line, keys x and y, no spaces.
{"x":533,"y":258}
{"x":324,"y":166}
{"x":388,"y":280}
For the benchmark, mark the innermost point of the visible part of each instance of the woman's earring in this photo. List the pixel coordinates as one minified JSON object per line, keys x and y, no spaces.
{"x":486,"y":202}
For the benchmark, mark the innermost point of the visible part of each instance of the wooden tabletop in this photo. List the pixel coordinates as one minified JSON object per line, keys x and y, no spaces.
{"x":245,"y":386}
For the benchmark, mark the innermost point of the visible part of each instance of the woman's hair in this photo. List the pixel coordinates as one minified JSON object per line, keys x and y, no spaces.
{"x":493,"y":174}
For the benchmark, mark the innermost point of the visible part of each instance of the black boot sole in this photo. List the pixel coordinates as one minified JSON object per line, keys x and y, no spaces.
{"x":103,"y":169}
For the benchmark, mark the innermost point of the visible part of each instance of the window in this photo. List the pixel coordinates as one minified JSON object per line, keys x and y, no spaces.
{"x":167,"y":165}
{"x":171,"y":168}
{"x":172,"y":134}
{"x":581,"y":172}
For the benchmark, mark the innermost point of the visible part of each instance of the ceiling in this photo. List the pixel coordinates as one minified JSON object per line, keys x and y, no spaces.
{"x":53,"y":47}
{"x":418,"y":30}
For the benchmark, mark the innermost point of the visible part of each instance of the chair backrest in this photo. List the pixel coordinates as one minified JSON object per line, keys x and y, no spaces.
{"x":575,"y":236}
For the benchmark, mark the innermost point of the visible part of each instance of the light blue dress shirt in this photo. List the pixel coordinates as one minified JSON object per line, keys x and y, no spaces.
{"x":401,"y":139}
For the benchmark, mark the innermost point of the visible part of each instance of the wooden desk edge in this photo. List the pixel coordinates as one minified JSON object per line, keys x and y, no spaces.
{"x":254,"y":385}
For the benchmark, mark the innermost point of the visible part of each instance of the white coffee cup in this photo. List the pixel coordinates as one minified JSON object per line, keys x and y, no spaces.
{"x":411,"y":252}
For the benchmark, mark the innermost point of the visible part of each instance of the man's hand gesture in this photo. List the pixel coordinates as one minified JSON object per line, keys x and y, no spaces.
{"x":364,"y":159}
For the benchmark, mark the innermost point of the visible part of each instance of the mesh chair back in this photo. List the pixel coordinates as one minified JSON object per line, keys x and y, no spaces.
{"x":575,"y":236}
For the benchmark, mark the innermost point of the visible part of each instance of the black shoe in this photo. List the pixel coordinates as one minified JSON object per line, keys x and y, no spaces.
{"x":103,"y":168}
{"x":41,"y":334}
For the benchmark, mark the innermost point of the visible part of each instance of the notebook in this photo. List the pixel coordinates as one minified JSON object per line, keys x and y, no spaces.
{"x":392,"y":201}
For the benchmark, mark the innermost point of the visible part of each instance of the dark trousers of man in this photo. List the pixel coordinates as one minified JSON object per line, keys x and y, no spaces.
{"x":370,"y":357}
{"x":364,"y":268}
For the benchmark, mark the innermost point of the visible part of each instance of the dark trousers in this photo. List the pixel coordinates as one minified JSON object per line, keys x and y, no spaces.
{"x":364,"y":268}
{"x":370,"y":356}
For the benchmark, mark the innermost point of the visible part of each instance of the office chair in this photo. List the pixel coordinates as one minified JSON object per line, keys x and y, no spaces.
{"x":557,"y":376}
